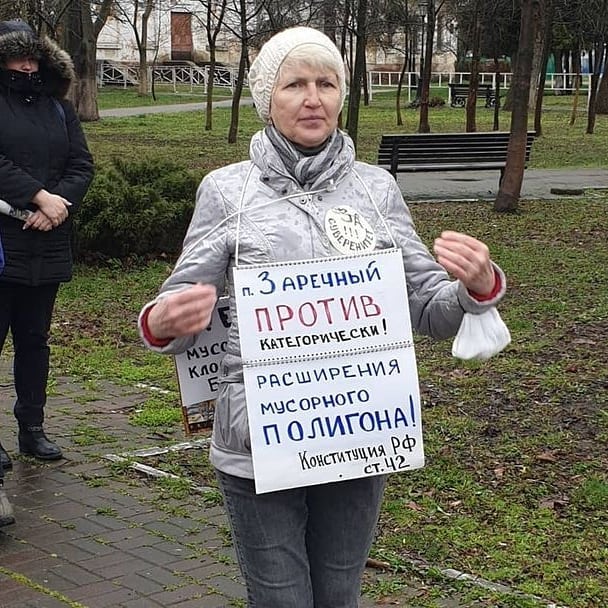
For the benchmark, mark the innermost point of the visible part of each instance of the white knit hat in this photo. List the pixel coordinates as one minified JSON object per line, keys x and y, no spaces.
{"x":264,"y":70}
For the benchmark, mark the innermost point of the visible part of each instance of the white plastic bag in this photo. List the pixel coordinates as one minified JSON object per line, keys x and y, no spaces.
{"x":480,"y":336}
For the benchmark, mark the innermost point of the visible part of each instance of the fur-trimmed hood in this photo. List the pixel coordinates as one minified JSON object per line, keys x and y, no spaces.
{"x":56,"y":66}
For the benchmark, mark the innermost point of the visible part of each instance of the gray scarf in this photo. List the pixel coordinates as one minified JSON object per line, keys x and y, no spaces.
{"x":306,"y":165}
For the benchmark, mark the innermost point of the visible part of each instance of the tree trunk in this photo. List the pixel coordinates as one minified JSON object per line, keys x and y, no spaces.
{"x":471,"y":105}
{"x":559,"y":69}
{"x":354,"y":98}
{"x":548,"y":27}
{"x":575,"y":97}
{"x":142,"y":87}
{"x":213,"y":25}
{"x":365,"y":82}
{"x":236,"y":97}
{"x":143,"y":50}
{"x":601,"y":103}
{"x":328,"y":16}
{"x":576,"y":68}
{"x":510,"y":184}
{"x":238,"y":89}
{"x":209,"y":99}
{"x":537,"y":59}
{"x":399,"y":89}
{"x":599,"y":55}
{"x":496,"y":124}
{"x":423,"y":125}
{"x":80,"y":41}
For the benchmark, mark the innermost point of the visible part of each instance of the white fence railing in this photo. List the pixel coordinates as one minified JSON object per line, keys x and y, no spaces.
{"x":179,"y":77}
{"x":194,"y":77}
{"x":555,"y":83}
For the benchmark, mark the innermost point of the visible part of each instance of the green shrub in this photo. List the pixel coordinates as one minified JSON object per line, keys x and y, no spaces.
{"x":436,"y":102}
{"x":139,"y":208}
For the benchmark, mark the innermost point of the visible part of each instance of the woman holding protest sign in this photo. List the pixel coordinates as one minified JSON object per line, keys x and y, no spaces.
{"x":302,"y":200}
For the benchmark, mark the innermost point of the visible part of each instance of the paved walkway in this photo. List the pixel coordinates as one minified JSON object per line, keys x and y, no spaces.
{"x":170,"y":109}
{"x":88,"y":537}
{"x":483,"y":185}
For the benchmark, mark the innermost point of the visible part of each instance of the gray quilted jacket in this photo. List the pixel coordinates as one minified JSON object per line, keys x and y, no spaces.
{"x":281,"y":222}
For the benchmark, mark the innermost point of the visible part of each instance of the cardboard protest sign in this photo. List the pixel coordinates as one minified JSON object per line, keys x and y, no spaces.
{"x":329,"y":369}
{"x":198,"y":371}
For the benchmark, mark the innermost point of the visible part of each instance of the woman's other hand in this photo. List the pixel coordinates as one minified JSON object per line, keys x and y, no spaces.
{"x":38,"y":221}
{"x":467,"y":259}
{"x":55,"y":207}
{"x":185,"y":313}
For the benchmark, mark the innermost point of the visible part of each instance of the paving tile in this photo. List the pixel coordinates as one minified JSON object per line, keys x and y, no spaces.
{"x":75,"y":574}
{"x":44,"y":601}
{"x":150,"y":554}
{"x":208,"y":601}
{"x":162,"y":575}
{"x":11,"y":559}
{"x":66,"y":550}
{"x":227,"y":586}
{"x":91,"y":546}
{"x":174,"y":596}
{"x":98,"y":595}
{"x":13,"y":598}
{"x":140,"y":602}
{"x":201,"y":571}
{"x":141,"y":584}
{"x":50,"y":580}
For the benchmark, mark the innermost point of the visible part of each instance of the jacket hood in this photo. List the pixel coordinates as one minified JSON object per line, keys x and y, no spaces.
{"x":56,"y":66}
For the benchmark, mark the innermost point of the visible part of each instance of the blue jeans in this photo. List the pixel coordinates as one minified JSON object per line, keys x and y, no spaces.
{"x":304,"y":547}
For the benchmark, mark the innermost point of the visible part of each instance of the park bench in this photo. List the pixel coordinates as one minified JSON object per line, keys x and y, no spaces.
{"x":413,"y":152}
{"x":459,"y":93}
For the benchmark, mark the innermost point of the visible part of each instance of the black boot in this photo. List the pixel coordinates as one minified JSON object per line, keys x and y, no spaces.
{"x":34,"y":442}
{"x":6,"y":509}
{"x":5,"y":460}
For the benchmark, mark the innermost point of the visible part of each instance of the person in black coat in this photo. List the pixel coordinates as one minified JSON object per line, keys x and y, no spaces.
{"x":45,"y":171}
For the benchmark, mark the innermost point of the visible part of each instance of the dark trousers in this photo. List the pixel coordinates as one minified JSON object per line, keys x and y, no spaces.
{"x":27,"y":311}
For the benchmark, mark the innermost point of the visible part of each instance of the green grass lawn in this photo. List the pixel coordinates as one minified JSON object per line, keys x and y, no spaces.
{"x":110,"y":97}
{"x":516,"y":486}
{"x":182,"y":137}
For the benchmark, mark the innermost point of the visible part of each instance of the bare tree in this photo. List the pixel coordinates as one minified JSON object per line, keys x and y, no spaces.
{"x":601,"y":103}
{"x":547,"y":16}
{"x":432,"y":10}
{"x":137,"y":14}
{"x":82,"y":23}
{"x":471,"y":105}
{"x":246,"y":14}
{"x":510,"y":185}
{"x":44,"y":16}
{"x":358,"y":73}
{"x":597,"y":35}
{"x":215,"y":11}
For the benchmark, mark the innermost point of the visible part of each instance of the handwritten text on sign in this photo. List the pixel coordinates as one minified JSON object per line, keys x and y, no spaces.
{"x":198,"y":367}
{"x":330,"y":370}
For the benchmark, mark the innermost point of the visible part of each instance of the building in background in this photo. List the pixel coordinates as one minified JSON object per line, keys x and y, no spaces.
{"x":176,"y":32}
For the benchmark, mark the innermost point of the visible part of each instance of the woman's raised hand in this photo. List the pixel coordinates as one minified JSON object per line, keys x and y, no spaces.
{"x":467,"y":259}
{"x":184,"y":313}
